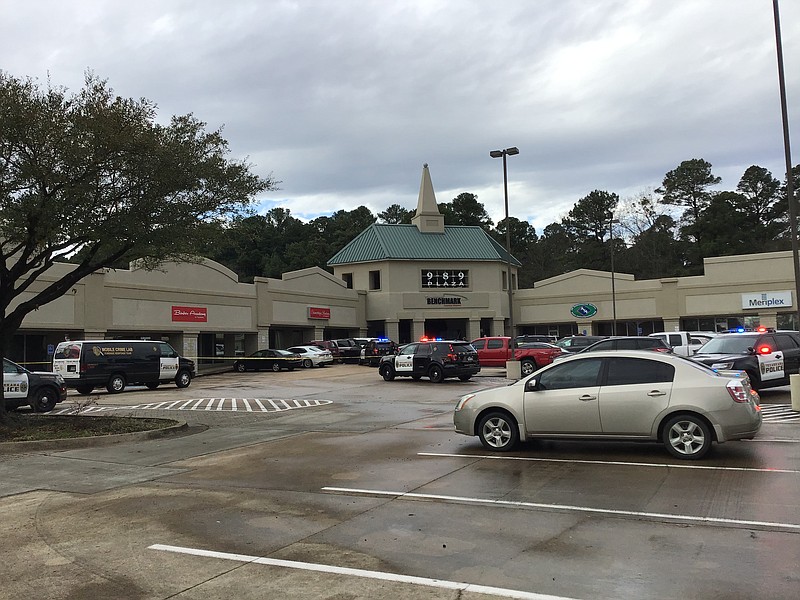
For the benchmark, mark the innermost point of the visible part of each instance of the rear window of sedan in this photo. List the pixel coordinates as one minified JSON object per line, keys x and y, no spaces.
{"x":630,"y":371}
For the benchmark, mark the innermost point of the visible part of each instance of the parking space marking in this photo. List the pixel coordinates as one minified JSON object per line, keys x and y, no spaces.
{"x":779,"y":413}
{"x":209,"y":404}
{"x":606,"y":462}
{"x":378,"y":575}
{"x":613,"y":512}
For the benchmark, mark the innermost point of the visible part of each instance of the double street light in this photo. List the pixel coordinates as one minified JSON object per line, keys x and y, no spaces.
{"x":498,"y":154}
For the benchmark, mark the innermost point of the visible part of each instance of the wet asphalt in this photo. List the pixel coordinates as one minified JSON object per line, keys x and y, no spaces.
{"x":331,"y":483}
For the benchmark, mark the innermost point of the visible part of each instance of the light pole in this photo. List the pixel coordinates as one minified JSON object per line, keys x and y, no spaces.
{"x":787,"y":150}
{"x":497,"y":154}
{"x":613,"y":281}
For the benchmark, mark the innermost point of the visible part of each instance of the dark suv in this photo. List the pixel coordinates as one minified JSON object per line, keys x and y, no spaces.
{"x":375,"y":349}
{"x":768,"y":357}
{"x":350,"y":349}
{"x":630,"y":343}
{"x":435,"y":360}
{"x":576,"y":343}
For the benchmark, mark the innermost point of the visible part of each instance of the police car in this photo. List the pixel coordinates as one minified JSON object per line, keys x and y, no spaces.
{"x":767,"y":356}
{"x":39,"y":390}
{"x":435,"y":359}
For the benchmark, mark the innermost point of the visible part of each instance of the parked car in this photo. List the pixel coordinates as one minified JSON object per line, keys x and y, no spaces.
{"x":685,"y":343}
{"x":375,"y":349}
{"x":38,"y":389}
{"x":768,"y":357}
{"x":616,"y":395}
{"x":350,"y":349}
{"x":575,"y":343}
{"x":436,"y":360}
{"x":496,"y":351}
{"x":268,"y":359}
{"x":629,"y":343}
{"x":312,"y":356}
{"x":331,"y":346}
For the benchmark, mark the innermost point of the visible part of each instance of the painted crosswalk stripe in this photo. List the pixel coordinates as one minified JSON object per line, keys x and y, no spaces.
{"x":250,"y":405}
{"x":779,"y":413}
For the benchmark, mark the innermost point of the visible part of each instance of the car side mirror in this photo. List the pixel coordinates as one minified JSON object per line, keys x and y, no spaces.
{"x":751,"y":351}
{"x":531,"y":385}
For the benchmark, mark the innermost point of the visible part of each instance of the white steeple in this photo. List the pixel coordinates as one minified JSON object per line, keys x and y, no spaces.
{"x":428,"y":219}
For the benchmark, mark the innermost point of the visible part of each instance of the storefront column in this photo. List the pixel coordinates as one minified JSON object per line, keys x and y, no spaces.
{"x":418,"y":330}
{"x":94,"y":334}
{"x":189,"y":345}
{"x":498,"y":327}
{"x":319,"y":333}
{"x":584,"y":328}
{"x":393,"y":329}
{"x":474,"y":329}
{"x":768,"y":319}
{"x":672,"y":324}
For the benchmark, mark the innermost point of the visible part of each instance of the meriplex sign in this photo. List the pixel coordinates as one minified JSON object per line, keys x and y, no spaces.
{"x":767,"y":300}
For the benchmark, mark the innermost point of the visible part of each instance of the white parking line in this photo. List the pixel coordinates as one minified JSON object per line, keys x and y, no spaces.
{"x":379,"y":575}
{"x":606,"y":462}
{"x":567,"y":508}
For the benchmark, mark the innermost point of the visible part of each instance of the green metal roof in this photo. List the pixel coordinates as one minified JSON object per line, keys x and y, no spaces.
{"x":380,"y":242}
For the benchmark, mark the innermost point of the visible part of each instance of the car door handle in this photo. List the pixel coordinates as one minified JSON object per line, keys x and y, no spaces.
{"x":655,"y":393}
{"x":587,"y":398}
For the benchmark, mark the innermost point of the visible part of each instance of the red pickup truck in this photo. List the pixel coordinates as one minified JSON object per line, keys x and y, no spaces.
{"x":495,"y":351}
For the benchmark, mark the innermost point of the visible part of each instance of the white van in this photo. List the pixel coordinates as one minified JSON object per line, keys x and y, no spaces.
{"x":684,"y":343}
{"x":115,"y":364}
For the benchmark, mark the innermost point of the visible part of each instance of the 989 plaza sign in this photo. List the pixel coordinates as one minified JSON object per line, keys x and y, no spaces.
{"x":445,"y":278}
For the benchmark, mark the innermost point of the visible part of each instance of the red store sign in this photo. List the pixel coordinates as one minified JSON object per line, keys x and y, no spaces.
{"x":190,"y":314}
{"x":319,"y":313}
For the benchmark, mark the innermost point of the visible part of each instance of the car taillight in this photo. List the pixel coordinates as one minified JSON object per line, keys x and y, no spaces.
{"x":737,"y":392}
{"x":764,"y":350}
{"x":451,"y":357}
{"x":662,"y":349}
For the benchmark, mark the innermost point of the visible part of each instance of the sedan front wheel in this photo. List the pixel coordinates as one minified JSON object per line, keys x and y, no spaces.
{"x":498,"y":431}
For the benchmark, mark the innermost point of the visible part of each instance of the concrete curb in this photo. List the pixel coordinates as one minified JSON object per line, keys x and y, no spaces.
{"x":92,"y":441}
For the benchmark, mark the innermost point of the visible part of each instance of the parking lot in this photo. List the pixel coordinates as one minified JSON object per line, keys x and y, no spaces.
{"x":331,"y":483}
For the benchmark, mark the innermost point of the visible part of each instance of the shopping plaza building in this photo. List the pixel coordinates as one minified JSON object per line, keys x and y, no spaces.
{"x":401,"y":282}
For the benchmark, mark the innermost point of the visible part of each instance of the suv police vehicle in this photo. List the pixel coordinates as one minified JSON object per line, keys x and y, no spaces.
{"x":437,"y":360}
{"x":39,"y":390}
{"x":767,"y":356}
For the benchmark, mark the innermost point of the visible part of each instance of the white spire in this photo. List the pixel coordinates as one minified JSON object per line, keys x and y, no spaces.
{"x":428,"y":219}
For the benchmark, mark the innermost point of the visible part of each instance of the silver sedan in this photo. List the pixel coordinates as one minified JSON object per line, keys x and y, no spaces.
{"x":622,"y":395}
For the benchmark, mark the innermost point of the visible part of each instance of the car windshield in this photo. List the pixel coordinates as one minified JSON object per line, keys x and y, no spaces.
{"x":735,"y":344}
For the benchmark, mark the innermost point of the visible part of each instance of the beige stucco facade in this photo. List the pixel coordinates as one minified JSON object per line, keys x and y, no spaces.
{"x":723,"y":294}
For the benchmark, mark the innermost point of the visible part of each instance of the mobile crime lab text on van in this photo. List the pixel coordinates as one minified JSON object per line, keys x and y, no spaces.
{"x":116,"y":364}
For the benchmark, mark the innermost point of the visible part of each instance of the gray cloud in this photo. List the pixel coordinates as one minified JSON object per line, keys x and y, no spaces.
{"x":343,"y":100}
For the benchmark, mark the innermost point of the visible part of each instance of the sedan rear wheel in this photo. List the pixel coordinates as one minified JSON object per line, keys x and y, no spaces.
{"x":276,"y":367}
{"x":498,"y":431}
{"x":527,"y":367}
{"x":307,"y":363}
{"x":687,"y":437}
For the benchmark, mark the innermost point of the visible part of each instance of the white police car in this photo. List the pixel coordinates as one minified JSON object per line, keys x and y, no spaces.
{"x":39,"y":390}
{"x":767,"y":356}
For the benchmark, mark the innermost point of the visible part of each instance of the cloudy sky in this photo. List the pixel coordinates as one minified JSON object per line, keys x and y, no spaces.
{"x":344,"y":100}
